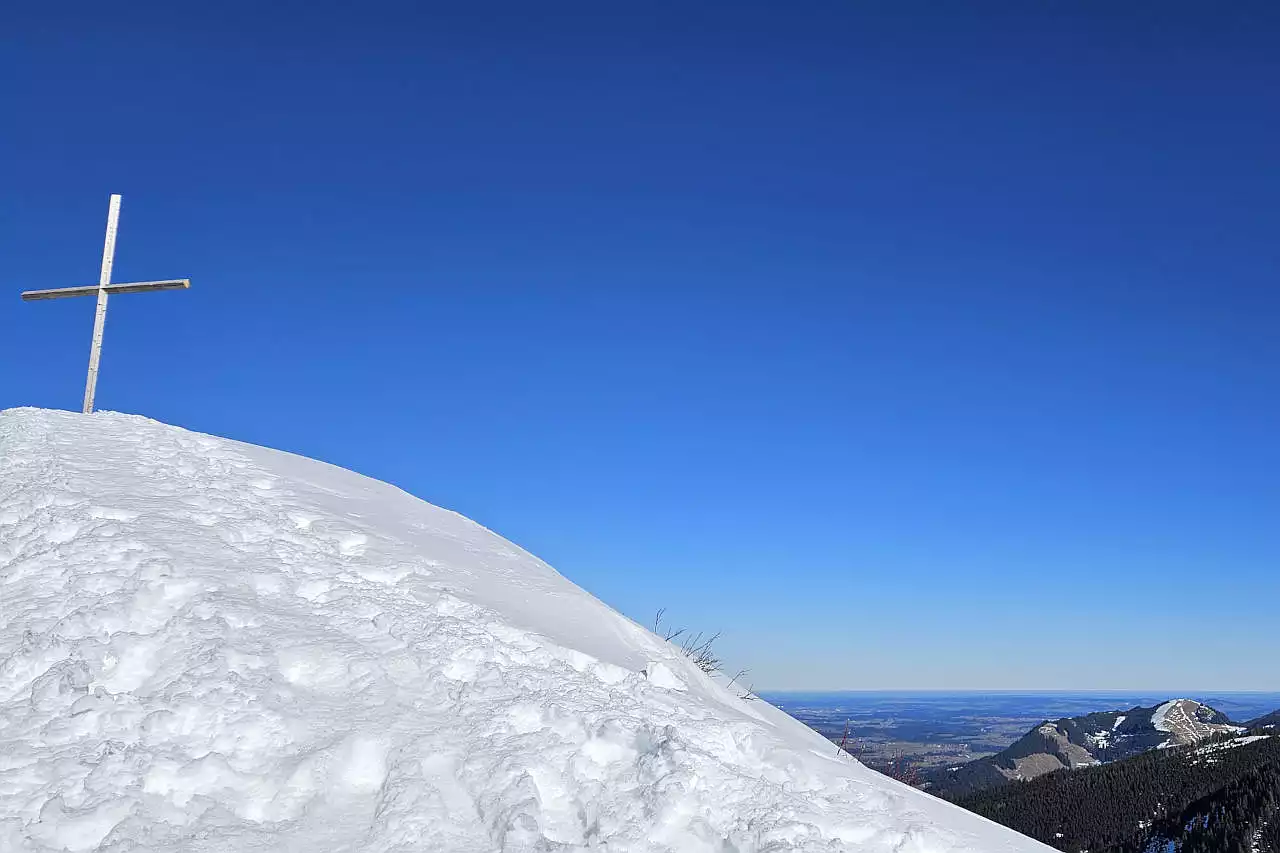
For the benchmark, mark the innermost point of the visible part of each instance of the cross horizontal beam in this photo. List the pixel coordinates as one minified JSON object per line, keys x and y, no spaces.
{"x":119,"y":287}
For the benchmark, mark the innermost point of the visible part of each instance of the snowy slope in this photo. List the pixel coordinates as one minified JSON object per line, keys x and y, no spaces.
{"x":1187,"y":721}
{"x":211,"y":646}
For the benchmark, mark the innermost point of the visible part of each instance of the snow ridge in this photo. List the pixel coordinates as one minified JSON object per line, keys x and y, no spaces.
{"x":211,"y":646}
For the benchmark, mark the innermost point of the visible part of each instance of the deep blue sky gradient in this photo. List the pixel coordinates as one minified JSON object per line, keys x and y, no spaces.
{"x":911,"y":345}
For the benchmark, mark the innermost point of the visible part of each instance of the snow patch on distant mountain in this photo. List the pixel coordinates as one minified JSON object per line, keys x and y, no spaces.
{"x":1159,"y":719}
{"x":210,"y":646}
{"x":1234,"y":743}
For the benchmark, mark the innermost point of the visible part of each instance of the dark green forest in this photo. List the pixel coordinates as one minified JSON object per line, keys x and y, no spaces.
{"x":1216,"y":797}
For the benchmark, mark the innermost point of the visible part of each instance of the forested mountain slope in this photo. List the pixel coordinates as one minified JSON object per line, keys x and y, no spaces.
{"x":1267,"y":721}
{"x":1222,"y":796}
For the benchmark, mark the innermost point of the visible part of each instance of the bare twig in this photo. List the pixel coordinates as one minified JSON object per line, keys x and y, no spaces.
{"x":701,"y":651}
{"x":671,"y":633}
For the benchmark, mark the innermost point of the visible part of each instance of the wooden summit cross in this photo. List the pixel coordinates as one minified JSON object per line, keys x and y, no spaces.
{"x":103,"y":289}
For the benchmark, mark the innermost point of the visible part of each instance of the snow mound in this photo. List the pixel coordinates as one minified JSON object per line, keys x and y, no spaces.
{"x":211,"y":646}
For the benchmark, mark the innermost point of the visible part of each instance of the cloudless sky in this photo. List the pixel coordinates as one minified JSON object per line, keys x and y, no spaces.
{"x":911,"y":345}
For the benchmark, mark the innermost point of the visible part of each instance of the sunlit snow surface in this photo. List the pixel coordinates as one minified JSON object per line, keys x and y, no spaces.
{"x":211,"y":646}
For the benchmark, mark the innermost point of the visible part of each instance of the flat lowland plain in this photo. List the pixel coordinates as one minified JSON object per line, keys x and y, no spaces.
{"x":904,"y":733}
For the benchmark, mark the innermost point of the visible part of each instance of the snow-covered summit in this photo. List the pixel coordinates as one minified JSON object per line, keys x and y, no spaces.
{"x":1188,"y":721}
{"x":211,"y":646}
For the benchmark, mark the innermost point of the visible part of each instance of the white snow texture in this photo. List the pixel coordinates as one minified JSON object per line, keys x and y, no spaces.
{"x":211,"y":646}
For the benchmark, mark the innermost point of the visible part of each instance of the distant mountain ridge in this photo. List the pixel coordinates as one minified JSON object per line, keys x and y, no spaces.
{"x":1267,"y":721}
{"x":1086,"y":741}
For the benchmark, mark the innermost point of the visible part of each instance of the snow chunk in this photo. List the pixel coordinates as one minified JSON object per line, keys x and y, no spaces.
{"x":660,"y":675}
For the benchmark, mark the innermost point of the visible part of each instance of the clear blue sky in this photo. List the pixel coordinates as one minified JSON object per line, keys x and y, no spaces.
{"x":911,"y":345}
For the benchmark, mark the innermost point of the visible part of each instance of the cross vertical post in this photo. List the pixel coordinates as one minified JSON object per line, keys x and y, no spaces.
{"x":100,"y":316}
